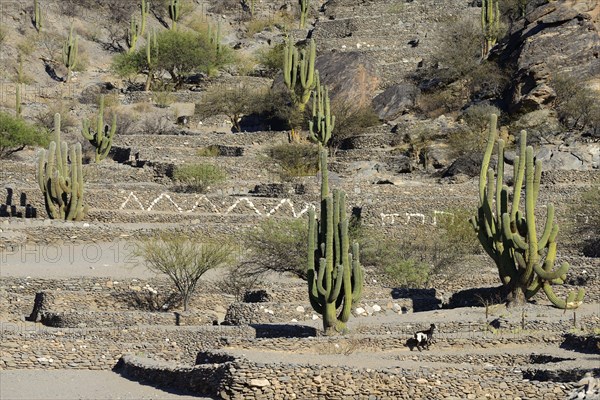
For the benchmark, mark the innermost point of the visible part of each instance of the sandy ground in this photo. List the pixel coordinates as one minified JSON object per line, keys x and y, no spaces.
{"x":80,"y":385}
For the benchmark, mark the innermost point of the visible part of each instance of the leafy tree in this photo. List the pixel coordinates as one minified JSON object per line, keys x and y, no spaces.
{"x":184,"y":260}
{"x":15,"y":134}
{"x":179,"y":53}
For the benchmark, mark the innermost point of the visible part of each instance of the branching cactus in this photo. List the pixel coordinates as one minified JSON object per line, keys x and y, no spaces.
{"x":174,"y":12}
{"x":525,"y":261}
{"x":335,"y":277}
{"x":70,"y":53}
{"x":490,"y":25}
{"x":299,"y":72}
{"x":102,"y":138}
{"x":303,"y":12}
{"x":61,"y":182}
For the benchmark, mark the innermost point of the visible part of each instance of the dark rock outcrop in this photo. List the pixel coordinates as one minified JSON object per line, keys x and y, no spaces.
{"x":395,"y":101}
{"x":554,"y":38}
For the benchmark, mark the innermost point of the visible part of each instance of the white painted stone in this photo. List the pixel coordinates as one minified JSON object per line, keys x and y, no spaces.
{"x":376,"y":308}
{"x":300,"y":309}
{"x":360,"y":311}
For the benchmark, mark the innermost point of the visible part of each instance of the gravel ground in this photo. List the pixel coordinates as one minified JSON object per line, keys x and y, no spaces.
{"x":80,"y":385}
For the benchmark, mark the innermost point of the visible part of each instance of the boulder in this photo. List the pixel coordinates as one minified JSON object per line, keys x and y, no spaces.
{"x":395,"y":101}
{"x":558,"y":37}
{"x":350,"y":76}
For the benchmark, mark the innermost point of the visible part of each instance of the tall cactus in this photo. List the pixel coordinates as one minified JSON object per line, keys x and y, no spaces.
{"x":61,"y":182}
{"x":299,"y":72}
{"x":525,"y":262}
{"x":151,"y":56}
{"x":303,"y":12}
{"x":18,"y":107}
{"x":490,"y":25}
{"x":102,"y":138}
{"x":144,"y":10}
{"x":70,"y":53}
{"x":132,"y":34}
{"x":215,"y":37}
{"x":37,"y":16}
{"x":335,"y":277}
{"x":174,"y":12}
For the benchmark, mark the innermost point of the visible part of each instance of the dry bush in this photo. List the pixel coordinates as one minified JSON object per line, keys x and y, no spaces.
{"x":46,"y":118}
{"x":350,"y":121}
{"x":295,"y":159}
{"x":473,"y":136}
{"x":156,"y":125}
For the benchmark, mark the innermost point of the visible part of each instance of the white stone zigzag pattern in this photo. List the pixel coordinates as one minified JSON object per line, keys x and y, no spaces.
{"x":203,"y":199}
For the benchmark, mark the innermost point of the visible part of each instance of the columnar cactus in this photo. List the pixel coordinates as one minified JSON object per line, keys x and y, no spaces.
{"x":335,"y":277}
{"x":174,"y":12}
{"x":322,"y":123}
{"x":145,"y":10}
{"x":525,"y":262}
{"x":303,"y":12}
{"x":37,"y":16}
{"x":102,"y":138}
{"x":132,"y":34}
{"x":215,"y":37}
{"x":61,"y":182}
{"x":151,"y":56}
{"x":70,"y":53}
{"x":299,"y":72}
{"x":490,"y":25}
{"x":18,"y":107}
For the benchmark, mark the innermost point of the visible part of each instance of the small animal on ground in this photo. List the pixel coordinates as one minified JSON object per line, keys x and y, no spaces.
{"x":424,"y":338}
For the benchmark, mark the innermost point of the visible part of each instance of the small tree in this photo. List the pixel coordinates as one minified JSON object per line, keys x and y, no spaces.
{"x":233,"y":101}
{"x":184,"y":260}
{"x":15,"y":134}
{"x":177,"y":53}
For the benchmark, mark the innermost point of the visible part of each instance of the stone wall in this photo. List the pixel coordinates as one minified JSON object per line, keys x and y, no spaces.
{"x":239,"y":378}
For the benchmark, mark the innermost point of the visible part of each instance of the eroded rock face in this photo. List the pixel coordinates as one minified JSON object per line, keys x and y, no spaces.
{"x":554,"y":38}
{"x":350,"y":76}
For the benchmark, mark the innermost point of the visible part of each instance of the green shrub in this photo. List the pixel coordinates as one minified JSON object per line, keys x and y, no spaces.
{"x":473,"y":136}
{"x":577,"y":105}
{"x":584,"y":228}
{"x":277,"y":245}
{"x":15,"y":134}
{"x":296,"y":159}
{"x":271,"y":58}
{"x":198,"y":177}
{"x":163,"y":99}
{"x":350,"y":121}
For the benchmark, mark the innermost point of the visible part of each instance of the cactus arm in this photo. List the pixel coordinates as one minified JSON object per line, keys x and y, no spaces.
{"x":519,"y":169}
{"x":572,"y":301}
{"x":357,"y":274}
{"x":487,"y":156}
{"x":549,"y":229}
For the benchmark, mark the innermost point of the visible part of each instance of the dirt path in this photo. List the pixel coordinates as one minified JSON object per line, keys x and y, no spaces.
{"x":78,"y":385}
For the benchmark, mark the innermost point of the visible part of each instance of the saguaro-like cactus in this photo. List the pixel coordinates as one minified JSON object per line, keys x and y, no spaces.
{"x":145,"y":10}
{"x":102,"y":138}
{"x":335,"y":277}
{"x":303,"y":12}
{"x":151,"y":57}
{"x":299,"y":72}
{"x":18,"y":107}
{"x":174,"y":12}
{"x":215,"y":37}
{"x":70,"y":53}
{"x":525,"y":262}
{"x":61,"y":182}
{"x":37,"y":16}
{"x":490,"y":25}
{"x":132,"y":34}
